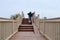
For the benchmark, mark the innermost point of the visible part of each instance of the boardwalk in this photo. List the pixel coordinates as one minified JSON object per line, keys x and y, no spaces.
{"x":28,"y":35}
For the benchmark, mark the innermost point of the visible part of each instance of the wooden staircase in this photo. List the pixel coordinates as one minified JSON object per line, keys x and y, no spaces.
{"x":26,"y":26}
{"x":26,"y":21}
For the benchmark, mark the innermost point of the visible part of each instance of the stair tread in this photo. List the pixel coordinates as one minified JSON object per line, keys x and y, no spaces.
{"x":26,"y":25}
{"x":25,"y":29}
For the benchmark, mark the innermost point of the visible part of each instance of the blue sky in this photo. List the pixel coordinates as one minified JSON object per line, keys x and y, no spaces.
{"x":48,"y":8}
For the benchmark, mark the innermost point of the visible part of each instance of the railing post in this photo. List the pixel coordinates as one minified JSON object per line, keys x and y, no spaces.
{"x":22,"y":14}
{"x":13,"y":26}
{"x":44,"y":24}
{"x":38,"y":22}
{"x":58,"y":36}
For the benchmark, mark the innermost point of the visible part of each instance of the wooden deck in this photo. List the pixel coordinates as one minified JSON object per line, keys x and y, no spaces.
{"x":28,"y":35}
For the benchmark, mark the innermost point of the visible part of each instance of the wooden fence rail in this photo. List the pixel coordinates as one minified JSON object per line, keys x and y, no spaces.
{"x":9,"y":27}
{"x":49,"y":28}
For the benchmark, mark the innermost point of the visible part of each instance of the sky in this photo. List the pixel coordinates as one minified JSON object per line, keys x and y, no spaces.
{"x":45,"y":8}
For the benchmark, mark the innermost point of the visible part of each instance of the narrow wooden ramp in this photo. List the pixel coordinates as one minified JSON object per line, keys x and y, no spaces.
{"x":27,"y":31}
{"x":26,"y":36}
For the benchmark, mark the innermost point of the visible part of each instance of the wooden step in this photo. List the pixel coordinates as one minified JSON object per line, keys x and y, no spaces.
{"x":25,"y":30}
{"x":25,"y":27}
